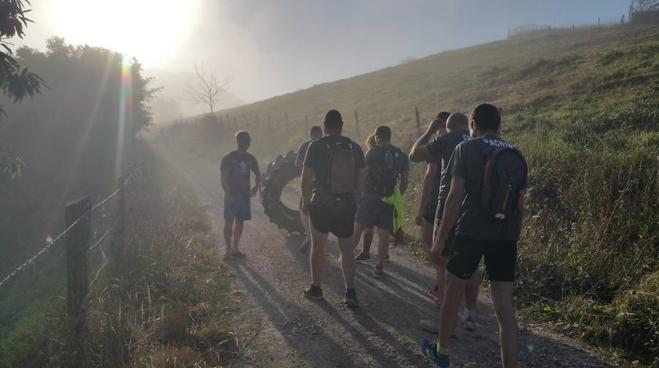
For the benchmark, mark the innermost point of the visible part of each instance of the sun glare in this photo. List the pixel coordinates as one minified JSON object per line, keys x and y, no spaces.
{"x":150,"y":30}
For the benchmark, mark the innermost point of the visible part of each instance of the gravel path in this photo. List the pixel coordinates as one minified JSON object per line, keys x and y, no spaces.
{"x":278,"y":327}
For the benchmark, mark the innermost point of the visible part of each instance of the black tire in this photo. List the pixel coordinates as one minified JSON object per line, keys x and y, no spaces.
{"x":277,"y":175}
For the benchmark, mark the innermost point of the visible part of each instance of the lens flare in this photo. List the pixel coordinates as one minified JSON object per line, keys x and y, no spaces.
{"x":125,"y":113}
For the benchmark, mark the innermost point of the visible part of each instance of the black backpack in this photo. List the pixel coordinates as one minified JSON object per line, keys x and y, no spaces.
{"x":504,"y":177}
{"x":390,"y":170}
{"x":341,"y":176}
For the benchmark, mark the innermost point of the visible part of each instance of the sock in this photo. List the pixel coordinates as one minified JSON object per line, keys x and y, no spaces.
{"x":441,"y":350}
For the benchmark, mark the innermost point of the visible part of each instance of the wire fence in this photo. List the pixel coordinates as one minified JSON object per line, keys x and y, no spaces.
{"x":49,"y":243}
{"x":85,"y":242}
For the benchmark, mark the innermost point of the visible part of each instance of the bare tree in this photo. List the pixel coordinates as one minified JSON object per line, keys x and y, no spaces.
{"x":208,"y":89}
{"x":643,"y":5}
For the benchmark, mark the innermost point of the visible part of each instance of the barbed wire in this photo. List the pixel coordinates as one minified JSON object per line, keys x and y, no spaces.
{"x":51,"y":242}
{"x":105,"y":258}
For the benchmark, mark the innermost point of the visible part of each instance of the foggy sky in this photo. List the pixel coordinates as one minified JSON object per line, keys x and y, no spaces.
{"x":270,"y":47}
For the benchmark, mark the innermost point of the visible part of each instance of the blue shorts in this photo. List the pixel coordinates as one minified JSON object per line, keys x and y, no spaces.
{"x":373,"y":212}
{"x":239,"y":208}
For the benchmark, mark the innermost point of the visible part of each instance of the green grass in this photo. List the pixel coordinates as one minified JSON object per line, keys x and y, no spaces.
{"x":583,"y":105}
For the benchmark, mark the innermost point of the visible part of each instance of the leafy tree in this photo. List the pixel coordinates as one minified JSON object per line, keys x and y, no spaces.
{"x":16,"y":81}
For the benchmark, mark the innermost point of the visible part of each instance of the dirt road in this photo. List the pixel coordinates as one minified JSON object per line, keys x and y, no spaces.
{"x":278,"y":327}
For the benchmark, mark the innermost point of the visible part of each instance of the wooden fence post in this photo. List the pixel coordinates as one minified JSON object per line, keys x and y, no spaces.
{"x":77,"y":283}
{"x":359,"y":133}
{"x":418,"y":121}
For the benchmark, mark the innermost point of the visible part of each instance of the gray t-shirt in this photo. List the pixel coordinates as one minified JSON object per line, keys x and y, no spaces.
{"x":238,"y":166}
{"x":441,"y":149}
{"x":468,"y":161}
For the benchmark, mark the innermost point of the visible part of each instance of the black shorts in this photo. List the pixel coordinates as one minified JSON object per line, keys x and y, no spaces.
{"x":500,"y":258}
{"x":373,"y":212}
{"x":430,"y":211}
{"x":334,"y":215}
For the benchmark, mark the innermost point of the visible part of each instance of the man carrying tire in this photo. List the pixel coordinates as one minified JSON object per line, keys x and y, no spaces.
{"x":386,"y":167}
{"x":332,"y":180}
{"x":235,"y":170}
{"x":315,"y":133}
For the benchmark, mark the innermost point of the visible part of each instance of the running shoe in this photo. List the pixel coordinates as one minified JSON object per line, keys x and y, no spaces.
{"x":362,"y":257}
{"x":239,"y":254}
{"x":429,"y":350}
{"x":387,"y":258}
{"x":350,"y":299}
{"x":314,"y":293}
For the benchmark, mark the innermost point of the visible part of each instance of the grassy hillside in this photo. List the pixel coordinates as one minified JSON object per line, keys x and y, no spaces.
{"x":583,"y":105}
{"x":546,"y":73}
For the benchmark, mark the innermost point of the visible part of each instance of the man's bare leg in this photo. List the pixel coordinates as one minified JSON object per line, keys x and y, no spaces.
{"x":455,"y":288}
{"x":471,"y":290}
{"x":237,"y":234}
{"x":346,"y":248}
{"x":317,"y":256}
{"x":367,"y":241}
{"x":383,"y":248}
{"x":356,"y":235}
{"x":306,"y":223}
{"x":471,"y":297}
{"x":502,"y":298}
{"x":426,"y":242}
{"x":228,"y":234}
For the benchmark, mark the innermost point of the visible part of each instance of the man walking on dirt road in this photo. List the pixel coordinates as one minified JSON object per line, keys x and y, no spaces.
{"x":386,"y":167}
{"x":332,"y":181}
{"x":236,"y":169}
{"x":430,"y":189}
{"x":439,"y":150}
{"x":315,"y":133}
{"x":489,"y":176}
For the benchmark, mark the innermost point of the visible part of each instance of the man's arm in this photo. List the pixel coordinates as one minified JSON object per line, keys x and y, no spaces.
{"x":257,"y":178}
{"x":306,"y":184}
{"x":429,"y":182}
{"x":452,"y":209}
{"x":361,"y":170}
{"x":224,"y":177}
{"x":361,"y":173}
{"x":299,"y":159}
{"x":419,"y":151}
{"x":404,"y":179}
